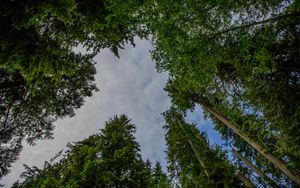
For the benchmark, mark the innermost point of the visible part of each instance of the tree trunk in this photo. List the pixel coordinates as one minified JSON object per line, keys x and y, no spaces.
{"x":273,"y":159}
{"x":245,"y":180}
{"x":295,"y":14}
{"x":255,"y":169}
{"x":195,"y":151}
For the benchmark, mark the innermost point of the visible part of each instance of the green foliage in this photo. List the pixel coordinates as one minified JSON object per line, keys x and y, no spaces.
{"x":30,"y":116}
{"x":37,"y":38}
{"x":242,"y":58}
{"x":108,"y":159}
{"x":42,"y":77}
{"x":192,"y":162}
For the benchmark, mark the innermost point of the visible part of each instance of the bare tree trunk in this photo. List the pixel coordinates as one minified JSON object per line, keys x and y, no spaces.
{"x":195,"y":151}
{"x":255,"y":169}
{"x":273,"y":159}
{"x":245,"y":180}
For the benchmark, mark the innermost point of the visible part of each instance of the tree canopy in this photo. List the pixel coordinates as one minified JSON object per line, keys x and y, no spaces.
{"x":192,"y":162}
{"x":110,"y":158}
{"x":43,"y":76}
{"x":242,"y":59}
{"x":239,"y":61}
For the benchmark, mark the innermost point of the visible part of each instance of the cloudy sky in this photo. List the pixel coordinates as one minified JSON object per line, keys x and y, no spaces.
{"x":128,"y":85}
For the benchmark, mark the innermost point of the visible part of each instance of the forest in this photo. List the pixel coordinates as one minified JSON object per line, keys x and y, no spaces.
{"x":239,"y":61}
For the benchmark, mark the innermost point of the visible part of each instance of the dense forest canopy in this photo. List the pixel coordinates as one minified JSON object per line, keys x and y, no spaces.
{"x":239,"y":61}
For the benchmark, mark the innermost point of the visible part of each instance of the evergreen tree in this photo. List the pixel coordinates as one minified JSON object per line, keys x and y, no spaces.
{"x":38,"y":37}
{"x":192,"y":162}
{"x":42,"y":77}
{"x":29,"y":115}
{"x":256,"y":170}
{"x":108,"y":159}
{"x":252,"y":64}
{"x":159,"y":178}
{"x":240,"y":57}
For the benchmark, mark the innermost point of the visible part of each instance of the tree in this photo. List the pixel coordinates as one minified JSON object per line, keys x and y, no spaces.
{"x":246,"y":181}
{"x":196,"y":36}
{"x":292,"y":174}
{"x":227,"y":53}
{"x":249,"y":128}
{"x":255,"y":169}
{"x":35,"y":36}
{"x":192,"y":162}
{"x":30,"y":115}
{"x":42,"y":77}
{"x":159,"y":178}
{"x":108,"y":159}
{"x":241,"y":58}
{"x":273,"y":159}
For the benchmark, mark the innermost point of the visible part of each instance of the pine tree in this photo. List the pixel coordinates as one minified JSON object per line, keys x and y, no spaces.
{"x":192,"y":162}
{"x":245,"y":66}
{"x":108,"y":159}
{"x":255,"y":169}
{"x":42,"y":77}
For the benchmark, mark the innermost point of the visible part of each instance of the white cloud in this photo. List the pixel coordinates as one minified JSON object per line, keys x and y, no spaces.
{"x":129,"y":85}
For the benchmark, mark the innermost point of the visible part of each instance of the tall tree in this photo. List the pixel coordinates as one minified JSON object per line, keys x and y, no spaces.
{"x":246,"y":181}
{"x":35,"y":36}
{"x":192,"y":163}
{"x":42,"y":77}
{"x":279,"y":163}
{"x":108,"y":159}
{"x":255,"y":169}
{"x":273,"y":159}
{"x":30,"y":115}
{"x":241,"y":57}
{"x":159,"y":178}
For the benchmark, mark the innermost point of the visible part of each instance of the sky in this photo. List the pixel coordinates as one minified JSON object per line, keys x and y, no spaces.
{"x":128,"y":85}
{"x":204,"y":125}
